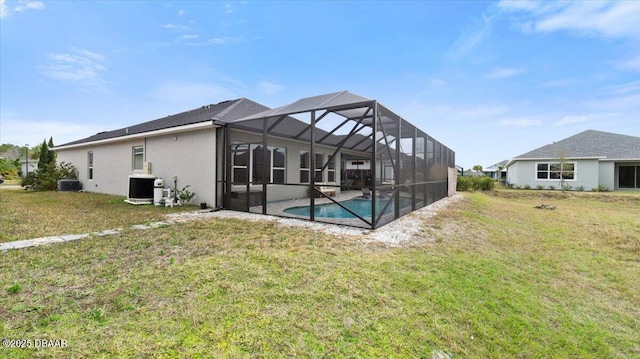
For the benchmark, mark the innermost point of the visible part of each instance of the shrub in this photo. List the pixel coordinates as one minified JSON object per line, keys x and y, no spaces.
{"x":46,"y":178}
{"x":580,"y":188}
{"x":463,"y":184}
{"x":539,"y":187}
{"x":475,"y":183}
{"x":527,"y":186}
{"x":601,"y":188}
{"x":185,"y":195}
{"x":552,"y":187}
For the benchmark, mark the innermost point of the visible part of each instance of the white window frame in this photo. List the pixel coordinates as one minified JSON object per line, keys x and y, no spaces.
{"x":135,"y":152}
{"x":548,"y":171}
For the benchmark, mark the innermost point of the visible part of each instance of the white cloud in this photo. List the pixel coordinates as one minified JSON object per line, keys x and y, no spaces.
{"x":79,"y":65}
{"x":470,"y":39}
{"x":182,"y":12}
{"x":570,"y":120}
{"x":19,"y":131}
{"x":483,"y":111}
{"x":189,"y":37}
{"x":216,"y":41}
{"x":629,"y":87}
{"x":437,"y":82}
{"x":558,"y":83}
{"x":228,"y":9}
{"x":4,"y":9}
{"x":28,"y":5}
{"x":521,"y":122}
{"x":632,"y":64}
{"x":269,"y":88}
{"x":503,"y":72}
{"x":612,"y":19}
{"x":174,"y":26}
{"x":192,"y":94}
{"x":23,"y":5}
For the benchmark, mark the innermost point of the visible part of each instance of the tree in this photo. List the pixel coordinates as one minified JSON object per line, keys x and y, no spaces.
{"x":477,"y":168}
{"x":47,"y":157}
{"x":561,"y":154}
{"x":47,"y":175}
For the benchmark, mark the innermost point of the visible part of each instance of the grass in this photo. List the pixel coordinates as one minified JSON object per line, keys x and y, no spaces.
{"x":492,"y":277}
{"x":31,"y":214}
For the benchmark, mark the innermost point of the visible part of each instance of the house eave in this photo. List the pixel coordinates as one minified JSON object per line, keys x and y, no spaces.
{"x":161,"y":132}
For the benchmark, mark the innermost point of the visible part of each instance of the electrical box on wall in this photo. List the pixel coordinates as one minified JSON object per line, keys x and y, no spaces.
{"x":146,"y":168}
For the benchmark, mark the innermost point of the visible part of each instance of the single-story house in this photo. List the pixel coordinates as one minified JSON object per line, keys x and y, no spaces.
{"x":496,"y":171}
{"x":241,"y":155}
{"x":590,"y":160}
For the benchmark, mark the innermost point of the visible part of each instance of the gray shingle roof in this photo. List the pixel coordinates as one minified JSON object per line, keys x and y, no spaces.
{"x":223,"y":112}
{"x":590,"y":143}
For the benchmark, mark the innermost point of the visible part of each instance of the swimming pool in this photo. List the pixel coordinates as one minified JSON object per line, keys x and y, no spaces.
{"x":361,"y":206}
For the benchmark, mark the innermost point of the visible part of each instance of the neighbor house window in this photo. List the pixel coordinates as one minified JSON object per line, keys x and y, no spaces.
{"x":556,"y":171}
{"x":248,"y":164}
{"x":138,"y":158}
{"x":90,"y":164}
{"x":629,"y":177}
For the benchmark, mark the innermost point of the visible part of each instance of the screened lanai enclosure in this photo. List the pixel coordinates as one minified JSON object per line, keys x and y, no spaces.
{"x":336,"y":158}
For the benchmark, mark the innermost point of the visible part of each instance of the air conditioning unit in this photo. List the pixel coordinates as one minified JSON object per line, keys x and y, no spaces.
{"x":141,"y":189}
{"x":69,"y":185}
{"x":146,"y":168}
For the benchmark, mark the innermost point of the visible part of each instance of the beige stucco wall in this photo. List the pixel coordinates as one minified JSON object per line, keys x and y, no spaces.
{"x":189,"y":155}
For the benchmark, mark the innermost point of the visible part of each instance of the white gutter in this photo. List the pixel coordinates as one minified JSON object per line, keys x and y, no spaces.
{"x":164,"y":131}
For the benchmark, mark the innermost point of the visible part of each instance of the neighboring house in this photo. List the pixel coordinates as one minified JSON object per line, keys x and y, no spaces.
{"x":496,"y":171}
{"x":241,"y":155}
{"x":588,"y":160}
{"x":28,"y":166}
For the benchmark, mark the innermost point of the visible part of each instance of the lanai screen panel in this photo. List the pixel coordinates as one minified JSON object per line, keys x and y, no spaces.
{"x":294,"y":161}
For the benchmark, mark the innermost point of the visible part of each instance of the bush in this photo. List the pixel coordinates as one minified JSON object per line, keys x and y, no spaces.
{"x":475,"y":183}
{"x":552,"y":187}
{"x":463,"y":183}
{"x":580,"y":188}
{"x":601,"y":188}
{"x":539,"y":187}
{"x":527,"y":186}
{"x":46,"y":178}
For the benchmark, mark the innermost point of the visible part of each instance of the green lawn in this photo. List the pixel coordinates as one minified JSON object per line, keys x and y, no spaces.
{"x":494,"y":277}
{"x":31,"y":214}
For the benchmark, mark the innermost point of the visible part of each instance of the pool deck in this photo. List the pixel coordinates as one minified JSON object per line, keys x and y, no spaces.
{"x":278,"y":209}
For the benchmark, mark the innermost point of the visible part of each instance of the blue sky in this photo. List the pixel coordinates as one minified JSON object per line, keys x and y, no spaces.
{"x":491,"y":80}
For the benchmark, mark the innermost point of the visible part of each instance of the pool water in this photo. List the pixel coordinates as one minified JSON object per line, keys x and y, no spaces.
{"x":361,"y":206}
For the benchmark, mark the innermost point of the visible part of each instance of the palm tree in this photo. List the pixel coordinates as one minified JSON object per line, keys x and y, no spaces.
{"x":477,"y":168}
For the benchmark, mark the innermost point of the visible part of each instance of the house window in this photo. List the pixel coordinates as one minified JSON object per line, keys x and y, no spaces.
{"x":629,"y":177}
{"x":138,"y":158}
{"x":331,"y":170}
{"x":90,"y":164}
{"x":319,"y":163}
{"x":248,"y":164}
{"x":240,"y":164}
{"x":304,"y":167}
{"x":556,"y":171}
{"x":278,"y":164}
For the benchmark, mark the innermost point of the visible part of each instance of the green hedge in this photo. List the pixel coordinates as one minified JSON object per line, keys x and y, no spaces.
{"x":475,"y":183}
